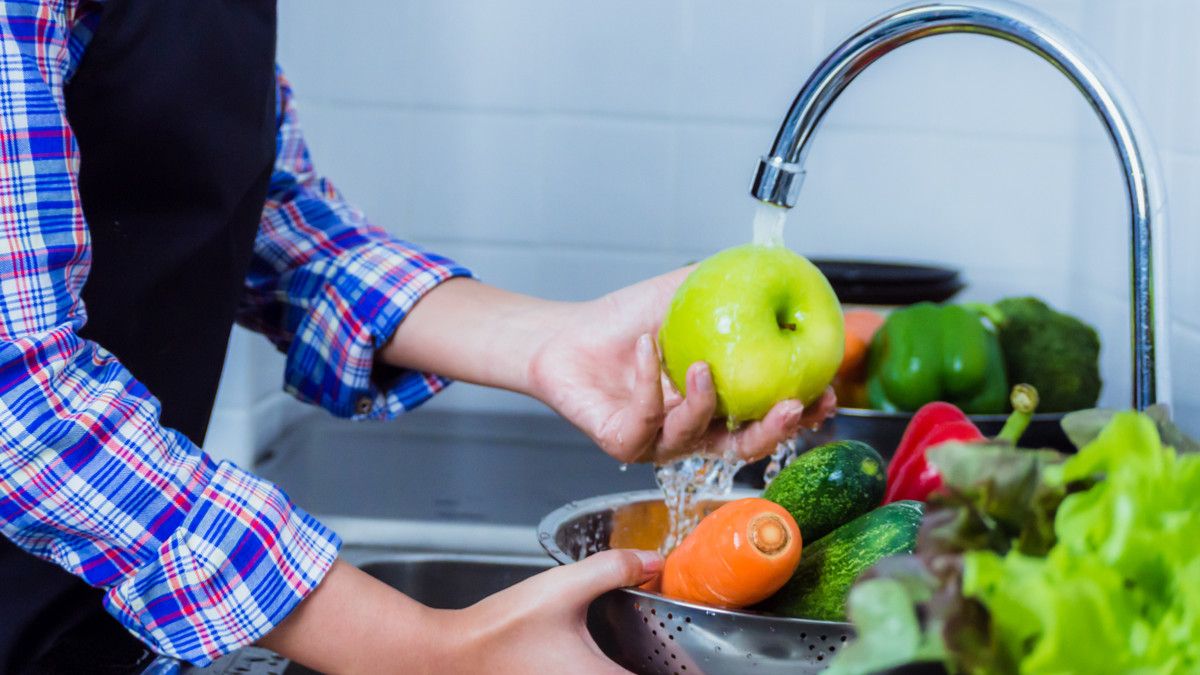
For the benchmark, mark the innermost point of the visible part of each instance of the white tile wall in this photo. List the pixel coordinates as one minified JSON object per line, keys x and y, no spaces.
{"x":565,"y":149}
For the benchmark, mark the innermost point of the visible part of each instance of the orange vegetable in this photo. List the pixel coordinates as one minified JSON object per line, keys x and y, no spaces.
{"x":861,"y":325}
{"x":738,"y":555}
{"x":850,"y":382}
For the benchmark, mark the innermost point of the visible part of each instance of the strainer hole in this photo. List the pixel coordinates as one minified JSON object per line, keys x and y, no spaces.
{"x":662,"y":625}
{"x":822,"y":638}
{"x":672,"y":656}
{"x":668,"y":615}
{"x":683,"y":667}
{"x":687,"y":619}
{"x":811,"y":647}
{"x":656,"y":652}
{"x":804,"y":636}
{"x":843,"y":638}
{"x":679,"y":629}
{"x":653,"y":611}
{"x":670,"y":637}
{"x":654,"y":632}
{"x":832,"y":649}
{"x":820,"y":657}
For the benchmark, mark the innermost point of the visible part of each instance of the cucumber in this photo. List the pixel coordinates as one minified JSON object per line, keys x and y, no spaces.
{"x":827,"y":569}
{"x":830,"y":485}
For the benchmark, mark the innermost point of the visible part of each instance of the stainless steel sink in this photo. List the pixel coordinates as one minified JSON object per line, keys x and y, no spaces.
{"x":442,"y":481}
{"x":447,"y":581}
{"x":453,"y":581}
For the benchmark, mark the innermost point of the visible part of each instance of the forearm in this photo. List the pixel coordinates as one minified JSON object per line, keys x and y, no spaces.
{"x":354,"y":623}
{"x":468,"y":331}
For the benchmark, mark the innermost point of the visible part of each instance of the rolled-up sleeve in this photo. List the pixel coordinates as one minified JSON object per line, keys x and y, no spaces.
{"x":241,"y":558}
{"x":329,"y":289}
{"x":197,"y":557}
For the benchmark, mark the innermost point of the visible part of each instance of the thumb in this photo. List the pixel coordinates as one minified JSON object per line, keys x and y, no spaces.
{"x":584,"y":581}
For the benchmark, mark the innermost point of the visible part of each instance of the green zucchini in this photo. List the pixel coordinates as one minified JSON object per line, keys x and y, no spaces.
{"x":830,"y":485}
{"x":818,"y":588}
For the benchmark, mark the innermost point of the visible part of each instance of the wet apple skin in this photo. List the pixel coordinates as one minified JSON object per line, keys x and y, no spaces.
{"x":735,"y":312}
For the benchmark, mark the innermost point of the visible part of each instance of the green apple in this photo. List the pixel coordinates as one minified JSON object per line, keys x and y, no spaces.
{"x":766,"y":322}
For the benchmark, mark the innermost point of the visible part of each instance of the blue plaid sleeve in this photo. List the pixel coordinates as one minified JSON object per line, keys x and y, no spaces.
{"x":197,"y":557}
{"x":329,"y":289}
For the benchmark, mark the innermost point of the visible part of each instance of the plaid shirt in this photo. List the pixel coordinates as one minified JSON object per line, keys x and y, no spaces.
{"x":198,"y":557}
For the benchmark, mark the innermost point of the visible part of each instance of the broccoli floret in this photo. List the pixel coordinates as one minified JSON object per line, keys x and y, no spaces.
{"x":1056,"y":353}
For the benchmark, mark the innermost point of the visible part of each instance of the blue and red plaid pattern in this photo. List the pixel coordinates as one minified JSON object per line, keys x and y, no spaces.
{"x":328,"y":288}
{"x":198,"y":557}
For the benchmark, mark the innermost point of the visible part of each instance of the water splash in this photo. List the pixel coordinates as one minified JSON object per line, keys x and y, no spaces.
{"x":784,"y":453}
{"x":687,"y":484}
{"x":768,"y":224}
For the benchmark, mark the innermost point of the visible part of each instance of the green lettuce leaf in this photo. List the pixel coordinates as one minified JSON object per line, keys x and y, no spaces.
{"x":1036,"y":562}
{"x":889,"y":633}
{"x":1116,"y":594}
{"x":1082,"y":427}
{"x":993,"y":498}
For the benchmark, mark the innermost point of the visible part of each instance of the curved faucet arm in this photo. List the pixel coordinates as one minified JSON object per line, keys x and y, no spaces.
{"x":781,"y":173}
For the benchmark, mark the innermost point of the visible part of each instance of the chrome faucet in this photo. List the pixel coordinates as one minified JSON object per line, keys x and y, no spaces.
{"x":781,"y":173}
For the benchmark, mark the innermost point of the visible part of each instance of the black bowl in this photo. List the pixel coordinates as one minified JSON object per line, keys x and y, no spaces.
{"x":864,"y":282}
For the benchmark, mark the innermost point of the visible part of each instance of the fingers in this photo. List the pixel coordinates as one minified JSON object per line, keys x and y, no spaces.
{"x":821,"y":410}
{"x":784,"y":421}
{"x":671,"y":395}
{"x":584,"y":581}
{"x":758,"y":439}
{"x":686,"y":424}
{"x":631,"y":433}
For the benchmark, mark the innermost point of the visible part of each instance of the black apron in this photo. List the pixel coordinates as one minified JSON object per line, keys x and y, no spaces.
{"x":173,"y":107}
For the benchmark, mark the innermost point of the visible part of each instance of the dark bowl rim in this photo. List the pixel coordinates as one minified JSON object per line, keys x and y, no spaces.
{"x":868,"y":413}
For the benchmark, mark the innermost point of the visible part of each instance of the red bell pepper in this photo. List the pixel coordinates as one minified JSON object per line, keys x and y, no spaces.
{"x":917,"y":478}
{"x":925,"y":420}
{"x":909,"y":474}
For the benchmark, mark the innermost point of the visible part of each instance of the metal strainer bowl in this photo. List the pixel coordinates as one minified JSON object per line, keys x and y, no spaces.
{"x":648,"y":633}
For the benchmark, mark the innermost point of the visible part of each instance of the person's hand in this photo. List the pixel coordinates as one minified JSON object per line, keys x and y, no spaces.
{"x":595,"y":363}
{"x":599,"y":367}
{"x":540,"y":625}
{"x":354,"y":623}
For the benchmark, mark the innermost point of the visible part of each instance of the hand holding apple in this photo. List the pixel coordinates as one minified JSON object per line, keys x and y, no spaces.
{"x":597,"y":364}
{"x":766,"y":322}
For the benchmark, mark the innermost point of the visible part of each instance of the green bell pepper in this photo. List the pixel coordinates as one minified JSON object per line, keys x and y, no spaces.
{"x":930,"y":352}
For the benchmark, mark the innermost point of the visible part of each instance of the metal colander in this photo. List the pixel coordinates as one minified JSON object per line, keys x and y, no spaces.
{"x":648,"y":633}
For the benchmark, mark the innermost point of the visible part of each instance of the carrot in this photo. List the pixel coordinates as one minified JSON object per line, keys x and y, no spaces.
{"x":850,"y":383}
{"x":861,"y":325}
{"x":738,"y":555}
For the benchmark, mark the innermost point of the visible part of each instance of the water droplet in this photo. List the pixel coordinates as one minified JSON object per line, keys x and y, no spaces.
{"x":782,"y":456}
{"x":623,"y":468}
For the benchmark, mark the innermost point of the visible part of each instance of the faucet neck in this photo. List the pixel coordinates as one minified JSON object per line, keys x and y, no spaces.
{"x":780,"y":174}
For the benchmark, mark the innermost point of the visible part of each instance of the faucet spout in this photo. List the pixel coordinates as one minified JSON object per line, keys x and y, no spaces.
{"x":780,"y":174}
